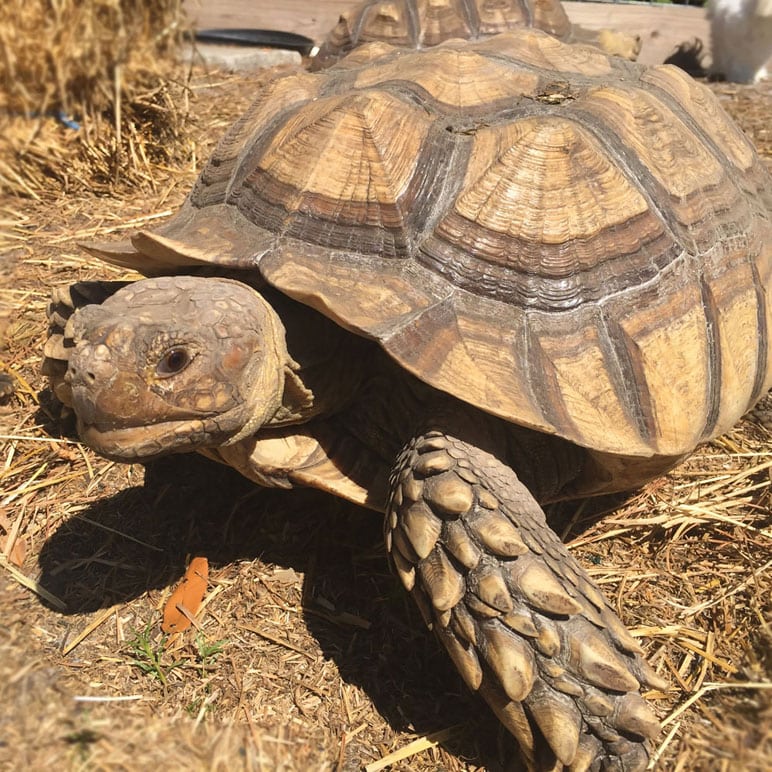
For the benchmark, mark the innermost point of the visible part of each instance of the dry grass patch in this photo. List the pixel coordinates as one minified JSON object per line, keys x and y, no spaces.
{"x":91,"y":94}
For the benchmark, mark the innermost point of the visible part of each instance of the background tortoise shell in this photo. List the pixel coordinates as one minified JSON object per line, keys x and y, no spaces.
{"x":426,"y":23}
{"x":567,"y":240}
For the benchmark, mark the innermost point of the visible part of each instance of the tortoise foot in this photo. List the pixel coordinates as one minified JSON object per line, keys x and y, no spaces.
{"x":523,"y":623}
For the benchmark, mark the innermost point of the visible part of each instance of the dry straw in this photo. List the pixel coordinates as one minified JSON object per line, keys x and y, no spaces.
{"x":91,"y":93}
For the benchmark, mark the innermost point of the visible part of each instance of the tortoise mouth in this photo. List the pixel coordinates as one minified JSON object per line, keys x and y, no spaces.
{"x":146,"y":442}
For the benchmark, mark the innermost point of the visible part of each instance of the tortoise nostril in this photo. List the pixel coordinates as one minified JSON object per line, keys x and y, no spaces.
{"x":75,"y":375}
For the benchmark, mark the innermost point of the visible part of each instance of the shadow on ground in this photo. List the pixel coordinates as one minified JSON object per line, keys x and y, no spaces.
{"x":138,"y":539}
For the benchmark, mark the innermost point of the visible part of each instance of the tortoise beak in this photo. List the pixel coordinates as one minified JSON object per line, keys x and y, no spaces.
{"x":88,"y":376}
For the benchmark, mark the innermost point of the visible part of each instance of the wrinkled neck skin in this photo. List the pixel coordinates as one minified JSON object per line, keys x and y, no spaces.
{"x":395,"y":407}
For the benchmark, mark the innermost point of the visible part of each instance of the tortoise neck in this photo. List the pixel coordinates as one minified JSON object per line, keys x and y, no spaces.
{"x":339,"y":377}
{"x":328,"y":364}
{"x":394,"y":407}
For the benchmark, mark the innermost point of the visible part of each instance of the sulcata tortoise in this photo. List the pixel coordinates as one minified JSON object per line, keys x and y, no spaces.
{"x":426,"y":23}
{"x":449,"y":286}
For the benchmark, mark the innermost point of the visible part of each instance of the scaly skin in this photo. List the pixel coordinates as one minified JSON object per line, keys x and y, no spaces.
{"x":183,"y":364}
{"x":521,"y":620}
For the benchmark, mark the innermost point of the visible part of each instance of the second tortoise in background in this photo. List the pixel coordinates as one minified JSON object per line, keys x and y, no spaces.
{"x":417,"y":24}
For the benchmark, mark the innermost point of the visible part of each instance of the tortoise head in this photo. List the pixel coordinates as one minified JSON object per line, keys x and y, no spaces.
{"x":173,"y":364}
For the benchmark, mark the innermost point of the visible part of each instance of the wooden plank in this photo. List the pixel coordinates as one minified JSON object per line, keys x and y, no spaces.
{"x":661,"y":27}
{"x":311,"y":19}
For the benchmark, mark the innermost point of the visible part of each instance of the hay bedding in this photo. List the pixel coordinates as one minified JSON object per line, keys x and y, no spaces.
{"x":306,"y":655}
{"x":106,"y":67}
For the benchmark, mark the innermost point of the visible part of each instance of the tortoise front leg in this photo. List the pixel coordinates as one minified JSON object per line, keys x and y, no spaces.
{"x":522,"y":621}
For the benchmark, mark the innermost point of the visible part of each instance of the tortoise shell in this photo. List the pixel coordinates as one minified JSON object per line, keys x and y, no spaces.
{"x":566,"y":240}
{"x":426,"y":23}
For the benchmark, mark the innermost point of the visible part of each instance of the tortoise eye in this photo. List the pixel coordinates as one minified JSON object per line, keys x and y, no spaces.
{"x":175,"y":360}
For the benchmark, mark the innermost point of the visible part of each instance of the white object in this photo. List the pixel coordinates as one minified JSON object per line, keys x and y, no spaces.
{"x":741,"y":32}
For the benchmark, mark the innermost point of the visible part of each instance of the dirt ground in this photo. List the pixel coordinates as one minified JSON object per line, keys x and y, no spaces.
{"x":306,"y":654}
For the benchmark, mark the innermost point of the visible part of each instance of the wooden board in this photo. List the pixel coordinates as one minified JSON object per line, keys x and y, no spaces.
{"x":661,"y":27}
